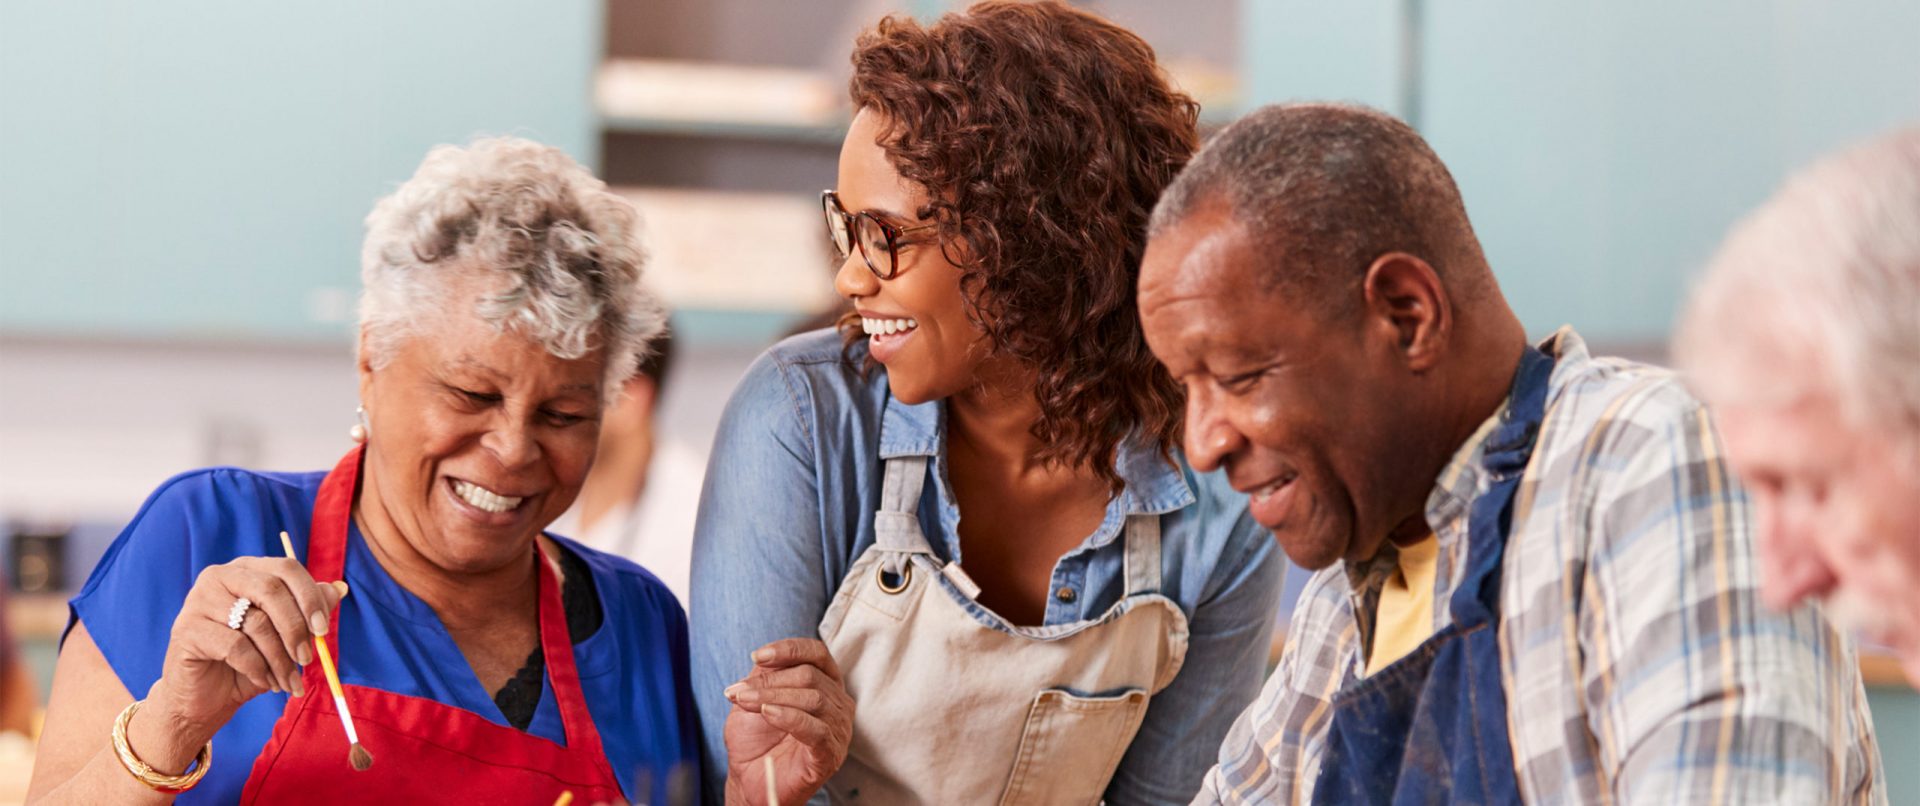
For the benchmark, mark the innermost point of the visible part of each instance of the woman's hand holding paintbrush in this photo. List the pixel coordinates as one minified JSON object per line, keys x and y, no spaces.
{"x":211,"y":668}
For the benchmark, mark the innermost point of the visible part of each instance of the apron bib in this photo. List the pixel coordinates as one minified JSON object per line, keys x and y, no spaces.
{"x":424,"y":751}
{"x":958,"y":706}
{"x":1432,"y":726}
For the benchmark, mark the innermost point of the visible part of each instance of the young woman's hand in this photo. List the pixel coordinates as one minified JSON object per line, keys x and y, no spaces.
{"x":794,"y":709}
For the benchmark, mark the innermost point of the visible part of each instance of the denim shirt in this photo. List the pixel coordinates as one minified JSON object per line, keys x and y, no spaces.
{"x":788,"y":506}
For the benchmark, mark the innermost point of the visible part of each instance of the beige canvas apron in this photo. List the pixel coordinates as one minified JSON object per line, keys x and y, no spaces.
{"x":956,"y":706}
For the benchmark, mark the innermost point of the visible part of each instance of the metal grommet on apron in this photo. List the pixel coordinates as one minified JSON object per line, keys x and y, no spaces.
{"x":905,"y":575}
{"x":1448,"y":691}
{"x":1043,"y":713}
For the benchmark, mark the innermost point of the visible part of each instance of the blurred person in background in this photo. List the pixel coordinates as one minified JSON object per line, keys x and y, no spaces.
{"x":19,"y":698}
{"x":484,"y":661}
{"x":639,"y":502}
{"x":1804,"y":336}
{"x":954,"y":543}
{"x":1535,"y":577}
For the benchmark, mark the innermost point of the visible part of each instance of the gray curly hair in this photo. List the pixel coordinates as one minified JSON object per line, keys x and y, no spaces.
{"x":1828,"y":269}
{"x":566,"y":251}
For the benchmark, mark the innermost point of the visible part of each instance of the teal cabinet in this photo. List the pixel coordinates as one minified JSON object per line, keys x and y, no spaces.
{"x":1603,"y":148}
{"x":199,"y":169}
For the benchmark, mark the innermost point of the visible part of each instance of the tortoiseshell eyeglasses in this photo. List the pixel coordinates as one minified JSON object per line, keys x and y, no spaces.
{"x":877,"y":240}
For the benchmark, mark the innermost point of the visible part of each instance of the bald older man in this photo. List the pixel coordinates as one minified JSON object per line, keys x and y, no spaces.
{"x":1804,"y":335}
{"x":1535,"y":577}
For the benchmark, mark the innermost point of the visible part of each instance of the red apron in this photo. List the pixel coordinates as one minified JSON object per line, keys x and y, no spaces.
{"x":424,"y":751}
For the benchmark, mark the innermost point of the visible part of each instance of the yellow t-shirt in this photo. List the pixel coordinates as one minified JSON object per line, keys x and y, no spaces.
{"x":1405,"y":615}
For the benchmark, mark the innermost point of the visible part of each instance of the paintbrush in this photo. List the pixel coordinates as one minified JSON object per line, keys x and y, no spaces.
{"x":356,"y":754}
{"x":564,"y":799}
{"x":773,"y":793}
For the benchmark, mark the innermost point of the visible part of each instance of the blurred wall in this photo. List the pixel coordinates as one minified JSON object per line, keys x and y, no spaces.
{"x":1603,"y":148}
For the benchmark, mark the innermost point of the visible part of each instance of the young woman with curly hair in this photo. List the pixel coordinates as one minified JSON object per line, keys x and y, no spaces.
{"x":952,"y":554}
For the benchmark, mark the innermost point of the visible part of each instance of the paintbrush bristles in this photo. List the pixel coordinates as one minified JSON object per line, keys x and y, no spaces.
{"x":359,"y":758}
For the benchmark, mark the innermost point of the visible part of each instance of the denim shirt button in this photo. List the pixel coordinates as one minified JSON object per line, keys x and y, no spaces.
{"x":1064,"y":594}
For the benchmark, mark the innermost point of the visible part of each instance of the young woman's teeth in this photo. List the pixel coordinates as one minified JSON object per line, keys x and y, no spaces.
{"x":1260,"y":496}
{"x":885,"y":327}
{"x":483,"y":498}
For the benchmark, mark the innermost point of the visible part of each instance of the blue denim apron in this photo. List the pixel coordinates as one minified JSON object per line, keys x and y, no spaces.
{"x":1432,"y":726}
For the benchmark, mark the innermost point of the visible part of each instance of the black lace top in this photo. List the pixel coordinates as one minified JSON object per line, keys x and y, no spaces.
{"x":521,"y":694}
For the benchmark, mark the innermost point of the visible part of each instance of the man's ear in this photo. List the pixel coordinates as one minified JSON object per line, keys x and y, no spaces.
{"x":1404,"y":296}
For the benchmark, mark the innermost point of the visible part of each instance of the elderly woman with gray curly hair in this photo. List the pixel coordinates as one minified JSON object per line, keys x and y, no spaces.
{"x":479,"y":659}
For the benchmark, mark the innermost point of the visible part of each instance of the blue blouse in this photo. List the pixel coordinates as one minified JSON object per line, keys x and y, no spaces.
{"x":791,"y":489}
{"x":633,"y":670}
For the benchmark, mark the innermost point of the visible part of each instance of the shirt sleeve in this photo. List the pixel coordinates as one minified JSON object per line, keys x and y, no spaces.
{"x":134,"y":594}
{"x":1695,"y":691}
{"x":1271,"y":753}
{"x":1229,"y":635}
{"x":757,"y":547}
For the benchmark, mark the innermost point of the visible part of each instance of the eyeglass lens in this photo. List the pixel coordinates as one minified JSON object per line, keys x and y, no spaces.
{"x":868,"y":235}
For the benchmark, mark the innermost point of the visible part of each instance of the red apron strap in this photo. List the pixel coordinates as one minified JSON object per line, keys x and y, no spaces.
{"x":332,"y":511}
{"x":557,"y":644}
{"x":327,"y":536}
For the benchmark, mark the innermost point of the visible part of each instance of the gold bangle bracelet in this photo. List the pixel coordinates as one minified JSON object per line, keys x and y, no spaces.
{"x":145,"y":774}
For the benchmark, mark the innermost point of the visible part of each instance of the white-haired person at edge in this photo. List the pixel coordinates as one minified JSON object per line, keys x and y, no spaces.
{"x":1804,"y":335}
{"x":1535,"y":576}
{"x":483,"y":660}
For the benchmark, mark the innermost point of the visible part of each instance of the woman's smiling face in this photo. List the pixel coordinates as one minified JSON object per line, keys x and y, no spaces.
{"x":916,"y":322}
{"x":477,"y":438}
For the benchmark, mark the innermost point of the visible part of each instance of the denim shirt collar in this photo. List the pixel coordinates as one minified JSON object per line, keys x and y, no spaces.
{"x":1154,"y":486}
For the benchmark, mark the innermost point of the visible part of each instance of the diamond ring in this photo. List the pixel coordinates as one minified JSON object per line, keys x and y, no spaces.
{"x":238,"y":614}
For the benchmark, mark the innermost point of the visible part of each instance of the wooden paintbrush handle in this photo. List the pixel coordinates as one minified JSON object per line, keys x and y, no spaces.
{"x":319,"y":642}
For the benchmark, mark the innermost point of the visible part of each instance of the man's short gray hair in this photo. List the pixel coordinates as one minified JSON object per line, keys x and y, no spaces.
{"x":1328,"y":188}
{"x":565,"y":249}
{"x":1827,"y":273}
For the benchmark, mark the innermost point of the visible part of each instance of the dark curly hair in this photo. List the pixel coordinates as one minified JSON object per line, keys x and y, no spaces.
{"x":1043,"y":134}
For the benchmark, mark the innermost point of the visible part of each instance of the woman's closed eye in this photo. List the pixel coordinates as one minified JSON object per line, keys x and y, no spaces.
{"x":477,"y":399}
{"x":1241,"y":383}
{"x":562,"y":419}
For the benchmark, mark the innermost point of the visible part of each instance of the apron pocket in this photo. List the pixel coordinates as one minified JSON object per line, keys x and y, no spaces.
{"x":1071,"y":745}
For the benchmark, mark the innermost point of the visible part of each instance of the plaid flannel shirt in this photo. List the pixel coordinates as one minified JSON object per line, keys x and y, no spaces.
{"x":1638,"y":661}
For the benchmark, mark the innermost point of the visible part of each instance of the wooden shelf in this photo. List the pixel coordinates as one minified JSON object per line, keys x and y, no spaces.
{"x":825,"y":135}
{"x":1881,"y":669}
{"x":39,"y":615}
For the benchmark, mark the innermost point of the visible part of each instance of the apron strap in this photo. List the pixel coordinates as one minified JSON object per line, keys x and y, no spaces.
{"x":327,"y":530}
{"x":332,"y":511}
{"x":896,"y":525}
{"x":1506,"y":453}
{"x":562,"y":673}
{"x":1143,"y":554}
